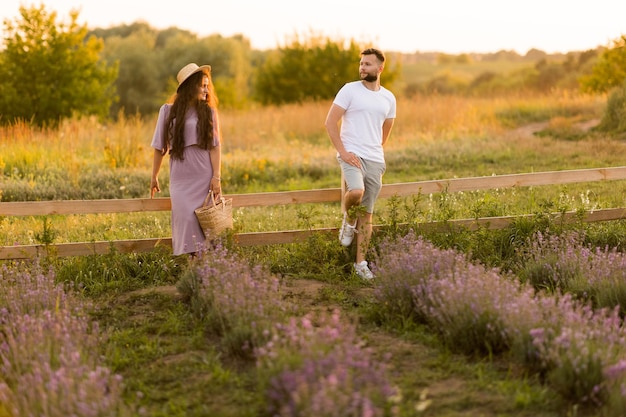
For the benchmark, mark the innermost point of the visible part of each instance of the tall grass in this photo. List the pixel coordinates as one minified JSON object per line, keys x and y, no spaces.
{"x":286,"y":148}
{"x":293,"y":134}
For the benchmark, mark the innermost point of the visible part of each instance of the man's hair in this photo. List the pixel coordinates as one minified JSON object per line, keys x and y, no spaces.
{"x":373,"y":51}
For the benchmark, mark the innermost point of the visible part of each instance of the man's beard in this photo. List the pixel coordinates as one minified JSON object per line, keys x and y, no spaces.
{"x":370,"y":78}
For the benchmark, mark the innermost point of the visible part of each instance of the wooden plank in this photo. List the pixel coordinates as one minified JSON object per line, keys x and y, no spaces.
{"x":285,"y":236}
{"x":102,"y":247}
{"x":21,"y":252}
{"x":34,"y":208}
{"x":504,"y":181}
{"x":495,"y":223}
{"x":328,"y":195}
{"x":147,"y":245}
{"x":83,"y":248}
{"x":280,"y":237}
{"x":604,"y":215}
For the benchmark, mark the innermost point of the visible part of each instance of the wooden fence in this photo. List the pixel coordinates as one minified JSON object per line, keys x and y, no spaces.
{"x":66,"y":207}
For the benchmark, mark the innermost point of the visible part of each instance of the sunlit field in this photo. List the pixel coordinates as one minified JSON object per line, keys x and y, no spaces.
{"x":286,"y":148}
{"x":456,"y":322}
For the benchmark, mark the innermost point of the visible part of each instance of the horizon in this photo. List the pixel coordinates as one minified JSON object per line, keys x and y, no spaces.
{"x":449,"y":26}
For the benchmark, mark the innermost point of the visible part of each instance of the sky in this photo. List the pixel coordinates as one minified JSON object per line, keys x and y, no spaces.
{"x":449,"y":26}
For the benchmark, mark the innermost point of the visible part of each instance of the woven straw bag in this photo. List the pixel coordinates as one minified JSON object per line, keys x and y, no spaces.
{"x":215,"y":216}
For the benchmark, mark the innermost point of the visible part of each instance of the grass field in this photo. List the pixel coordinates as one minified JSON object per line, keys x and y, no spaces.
{"x":279,"y":149}
{"x":163,"y":338}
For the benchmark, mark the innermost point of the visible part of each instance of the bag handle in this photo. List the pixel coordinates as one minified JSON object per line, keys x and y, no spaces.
{"x":210,"y":197}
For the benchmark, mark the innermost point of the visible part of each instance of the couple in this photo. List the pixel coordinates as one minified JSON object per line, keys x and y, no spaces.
{"x":358,"y":123}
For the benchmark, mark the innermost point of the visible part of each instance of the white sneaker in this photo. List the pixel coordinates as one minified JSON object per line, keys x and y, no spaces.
{"x":363,"y":270}
{"x":346,"y":233}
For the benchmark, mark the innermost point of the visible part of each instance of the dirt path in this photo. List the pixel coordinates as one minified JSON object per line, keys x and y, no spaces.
{"x":531,"y":129}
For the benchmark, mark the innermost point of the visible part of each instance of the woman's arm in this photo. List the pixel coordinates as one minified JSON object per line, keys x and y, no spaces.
{"x":215,"y":153}
{"x":156,"y":167}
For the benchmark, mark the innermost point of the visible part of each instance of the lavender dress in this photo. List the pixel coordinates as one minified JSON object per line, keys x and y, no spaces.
{"x":189,"y":180}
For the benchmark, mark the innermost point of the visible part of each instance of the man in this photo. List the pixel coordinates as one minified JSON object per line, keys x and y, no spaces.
{"x":367,"y":112}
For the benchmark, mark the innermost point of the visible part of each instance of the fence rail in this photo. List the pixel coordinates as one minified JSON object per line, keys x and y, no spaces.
{"x":327,"y":195}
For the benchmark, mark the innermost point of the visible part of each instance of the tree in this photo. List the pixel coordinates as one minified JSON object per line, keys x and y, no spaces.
{"x":548,"y":75}
{"x":49,"y":70}
{"x":149,"y":59}
{"x":138,"y":82}
{"x":314,"y":69}
{"x":535,"y":55}
{"x":609,"y":71}
{"x":229,"y":59}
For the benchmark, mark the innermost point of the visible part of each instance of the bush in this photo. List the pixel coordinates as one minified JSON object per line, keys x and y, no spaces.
{"x":614,"y":117}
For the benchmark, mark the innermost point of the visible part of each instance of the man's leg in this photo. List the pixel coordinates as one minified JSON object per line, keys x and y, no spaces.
{"x":352,"y":199}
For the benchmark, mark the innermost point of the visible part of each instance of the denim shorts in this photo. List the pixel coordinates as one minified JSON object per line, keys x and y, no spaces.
{"x":368,"y":178}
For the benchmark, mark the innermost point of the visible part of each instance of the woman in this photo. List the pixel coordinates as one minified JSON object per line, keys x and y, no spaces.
{"x":195,"y":153}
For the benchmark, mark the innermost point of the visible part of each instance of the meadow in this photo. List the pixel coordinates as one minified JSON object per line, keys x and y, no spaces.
{"x":286,"y":148}
{"x":524,"y":321}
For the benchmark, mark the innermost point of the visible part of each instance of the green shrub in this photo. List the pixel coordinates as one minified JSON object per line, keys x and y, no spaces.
{"x":614,"y":117}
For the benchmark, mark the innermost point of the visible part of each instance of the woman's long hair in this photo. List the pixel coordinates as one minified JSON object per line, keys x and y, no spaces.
{"x":187,"y":96}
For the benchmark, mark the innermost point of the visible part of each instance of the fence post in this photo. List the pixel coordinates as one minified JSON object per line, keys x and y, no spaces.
{"x":343,"y":193}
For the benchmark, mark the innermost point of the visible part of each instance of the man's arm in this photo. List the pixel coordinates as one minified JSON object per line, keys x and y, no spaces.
{"x":387,"y":125}
{"x":332,"y":127}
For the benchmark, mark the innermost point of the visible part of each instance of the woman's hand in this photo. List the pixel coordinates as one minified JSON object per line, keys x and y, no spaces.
{"x":154,"y":187}
{"x":216,"y":186}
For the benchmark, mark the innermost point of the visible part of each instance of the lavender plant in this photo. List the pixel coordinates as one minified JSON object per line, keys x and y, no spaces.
{"x":565,"y":263}
{"x":49,"y":351}
{"x":238,"y":301}
{"x":553,"y":262}
{"x":468,"y":308}
{"x":476,"y":310}
{"x":317,"y":366}
{"x":401,"y":266}
{"x":28,"y":290}
{"x":615,"y":383}
{"x":50,"y":367}
{"x":576,"y":347}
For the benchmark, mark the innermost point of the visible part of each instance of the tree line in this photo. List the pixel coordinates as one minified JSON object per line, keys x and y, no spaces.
{"x":52,"y":69}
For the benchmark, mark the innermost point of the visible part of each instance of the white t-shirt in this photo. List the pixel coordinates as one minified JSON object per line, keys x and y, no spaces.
{"x":361,"y":125}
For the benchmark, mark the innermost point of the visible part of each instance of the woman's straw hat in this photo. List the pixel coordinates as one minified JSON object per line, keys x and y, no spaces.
{"x":188,"y":70}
